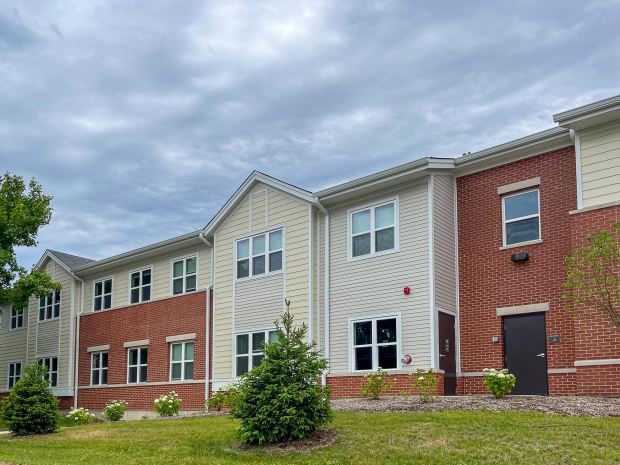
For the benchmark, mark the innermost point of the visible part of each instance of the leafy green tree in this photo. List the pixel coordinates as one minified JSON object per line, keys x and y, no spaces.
{"x":23,"y":211}
{"x":593,"y":275}
{"x":31,"y":407}
{"x":281,"y":399}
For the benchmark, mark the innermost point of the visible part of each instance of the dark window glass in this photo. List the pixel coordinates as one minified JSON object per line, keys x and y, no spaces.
{"x":384,"y":239}
{"x":107,"y":286}
{"x":143,"y":374}
{"x":363,"y":333}
{"x":177,"y":286}
{"x":363,"y":358}
{"x":135,"y":296}
{"x":242,"y":365}
{"x":146,"y":293}
{"x":520,"y":205}
{"x":146,"y":277}
{"x":190,"y":283}
{"x":133,"y":374}
{"x":189,"y":370}
{"x":386,"y":331}
{"x":258,"y":265}
{"x":361,"y":245}
{"x":387,"y":357}
{"x":275,"y":261}
{"x":243,"y":268}
{"x":522,"y":231}
{"x":107,"y":301}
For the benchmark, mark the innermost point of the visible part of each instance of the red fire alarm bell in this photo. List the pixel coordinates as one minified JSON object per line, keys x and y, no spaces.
{"x":407,"y":359}
{"x":406,"y":290}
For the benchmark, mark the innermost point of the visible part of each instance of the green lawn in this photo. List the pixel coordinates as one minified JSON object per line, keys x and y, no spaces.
{"x":63,"y":422}
{"x":455,"y":437}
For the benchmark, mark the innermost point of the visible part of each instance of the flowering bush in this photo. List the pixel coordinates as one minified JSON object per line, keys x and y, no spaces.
{"x":499,"y":383}
{"x":81,"y":416}
{"x":375,"y":384}
{"x":426,"y":384}
{"x":225,"y":398}
{"x":167,"y":405}
{"x":115,"y":410}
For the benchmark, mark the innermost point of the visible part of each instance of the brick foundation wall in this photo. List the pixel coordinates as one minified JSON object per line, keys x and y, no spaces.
{"x":154,"y":321}
{"x":65,"y":403}
{"x":599,"y":380}
{"x":350,"y":386}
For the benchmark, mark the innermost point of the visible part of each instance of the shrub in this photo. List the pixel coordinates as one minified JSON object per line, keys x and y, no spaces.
{"x":425,"y":383}
{"x":167,"y":405}
{"x":375,"y":384}
{"x":30,"y":407}
{"x":499,"y":383}
{"x":217,"y":401}
{"x":81,"y":416}
{"x":115,"y":410}
{"x":281,"y":399}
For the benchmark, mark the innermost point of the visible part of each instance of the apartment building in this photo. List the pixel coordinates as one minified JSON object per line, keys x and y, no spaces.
{"x":453,"y":264}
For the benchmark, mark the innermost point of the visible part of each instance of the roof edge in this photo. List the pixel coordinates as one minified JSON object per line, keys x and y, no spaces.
{"x":586,"y":110}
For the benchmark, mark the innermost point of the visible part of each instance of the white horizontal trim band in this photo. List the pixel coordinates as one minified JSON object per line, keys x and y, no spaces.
{"x":471,"y":374}
{"x":521,"y":309}
{"x":181,"y":337}
{"x":98,"y":348}
{"x":143,"y":342}
{"x":560,"y":371}
{"x":605,"y":361}
{"x":517,"y":186}
{"x":137,"y":385}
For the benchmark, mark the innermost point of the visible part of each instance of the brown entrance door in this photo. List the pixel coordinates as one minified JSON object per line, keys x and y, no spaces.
{"x":447,"y":353}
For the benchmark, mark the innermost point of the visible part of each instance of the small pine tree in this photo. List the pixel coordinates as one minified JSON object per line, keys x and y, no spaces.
{"x":281,"y":399}
{"x":30,"y":407}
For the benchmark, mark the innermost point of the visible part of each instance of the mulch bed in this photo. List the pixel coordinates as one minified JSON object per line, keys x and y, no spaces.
{"x":565,"y":405}
{"x":322,"y":438}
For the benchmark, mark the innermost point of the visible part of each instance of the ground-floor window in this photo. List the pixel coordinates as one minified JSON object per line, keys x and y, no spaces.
{"x":250,"y":349}
{"x":15,"y":373}
{"x":137,"y":359}
{"x":99,"y":368}
{"x":375,"y":343}
{"x":182,"y":361}
{"x":51,"y":367}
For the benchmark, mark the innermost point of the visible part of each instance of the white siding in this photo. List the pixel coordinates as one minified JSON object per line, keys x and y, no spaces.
{"x":600,"y":164}
{"x":258,"y":302}
{"x":12,"y":345}
{"x":444,"y":242}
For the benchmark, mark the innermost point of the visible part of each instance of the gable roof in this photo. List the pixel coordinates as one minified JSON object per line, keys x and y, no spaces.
{"x":72,"y":261}
{"x":591,"y":114}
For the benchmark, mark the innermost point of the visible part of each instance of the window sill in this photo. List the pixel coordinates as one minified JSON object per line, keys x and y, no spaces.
{"x":15,"y":330}
{"x":521,"y":244}
{"x":48,"y":320}
{"x":374,"y":255}
{"x":259,"y":276}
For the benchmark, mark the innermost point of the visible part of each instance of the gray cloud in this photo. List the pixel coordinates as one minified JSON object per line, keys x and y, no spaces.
{"x":142,"y":117}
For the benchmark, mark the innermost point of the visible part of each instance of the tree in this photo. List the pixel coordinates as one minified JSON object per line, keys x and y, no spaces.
{"x":593,"y":274}
{"x":281,"y":399}
{"x":23,"y":211}
{"x":31,"y":407}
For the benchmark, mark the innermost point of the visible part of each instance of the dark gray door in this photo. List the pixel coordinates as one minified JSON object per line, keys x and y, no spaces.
{"x":525,"y":352}
{"x":447,"y":354}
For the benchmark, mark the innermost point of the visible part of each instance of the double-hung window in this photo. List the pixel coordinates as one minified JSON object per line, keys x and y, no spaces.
{"x":140,"y":286}
{"x":17,"y":318}
{"x":51,"y":367}
{"x":15,"y":373}
{"x":102,"y":294}
{"x":259,"y":254}
{"x":521,"y":217}
{"x":49,"y":306}
{"x":375,"y":344}
{"x":250,"y":349}
{"x":137,"y":365}
{"x":99,"y":368}
{"x":181,"y":361}
{"x":184,"y":275}
{"x":374,"y":229}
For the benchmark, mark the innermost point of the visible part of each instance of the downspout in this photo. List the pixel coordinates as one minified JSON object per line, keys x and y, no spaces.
{"x":577,"y":141}
{"x":201,"y":236}
{"x":76,"y":343}
{"x":326,"y":289}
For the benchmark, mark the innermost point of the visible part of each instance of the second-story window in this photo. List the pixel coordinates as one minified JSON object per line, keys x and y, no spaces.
{"x":140,"y":286}
{"x":103,"y":294}
{"x":49,"y":307}
{"x":374,"y":229}
{"x":521,"y":217}
{"x":260,"y":254}
{"x":17,"y":318}
{"x":184,"y":275}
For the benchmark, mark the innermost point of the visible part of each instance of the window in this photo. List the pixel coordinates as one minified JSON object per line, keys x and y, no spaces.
{"x":521,"y":215}
{"x":137,"y":365}
{"x":17,"y":318}
{"x":374,"y":229}
{"x":181,"y":361}
{"x":250,"y":349}
{"x":103,"y":294}
{"x":184,"y":275}
{"x":49,"y":307}
{"x":140,"y":286}
{"x":375,"y":344}
{"x":51,"y":366}
{"x":15,"y":373}
{"x":99,"y":368}
{"x":259,"y":254}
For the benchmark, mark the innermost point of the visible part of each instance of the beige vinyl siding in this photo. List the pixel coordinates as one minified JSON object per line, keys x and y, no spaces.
{"x":161,"y":276}
{"x":600,"y":164}
{"x":12,"y":345}
{"x":444,"y":242}
{"x":374,"y":286}
{"x":258,"y":302}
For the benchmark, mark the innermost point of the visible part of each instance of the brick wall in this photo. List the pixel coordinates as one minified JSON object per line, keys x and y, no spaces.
{"x":153,"y":321}
{"x":350,"y":386}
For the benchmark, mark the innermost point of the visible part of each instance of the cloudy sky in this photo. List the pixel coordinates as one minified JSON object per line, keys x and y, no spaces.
{"x":141,"y":118}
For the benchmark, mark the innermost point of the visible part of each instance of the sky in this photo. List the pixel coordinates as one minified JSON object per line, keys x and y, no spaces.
{"x":141,"y":118}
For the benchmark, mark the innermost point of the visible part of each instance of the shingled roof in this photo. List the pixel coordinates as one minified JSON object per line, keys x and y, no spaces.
{"x":72,"y":261}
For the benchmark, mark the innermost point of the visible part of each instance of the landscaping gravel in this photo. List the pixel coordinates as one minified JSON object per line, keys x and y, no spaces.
{"x":570,"y":405}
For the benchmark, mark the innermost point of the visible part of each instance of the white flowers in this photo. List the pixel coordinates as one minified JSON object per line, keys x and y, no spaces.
{"x":81,"y":416}
{"x":115,"y":410}
{"x":498,"y":382}
{"x":167,"y":404}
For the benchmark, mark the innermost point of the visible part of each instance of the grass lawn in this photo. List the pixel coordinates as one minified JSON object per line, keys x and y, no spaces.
{"x":455,"y":437}
{"x":63,"y":422}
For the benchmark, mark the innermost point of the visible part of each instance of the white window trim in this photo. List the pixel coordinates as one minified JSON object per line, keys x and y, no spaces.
{"x":250,"y":353}
{"x":266,"y":254}
{"x":183,"y":359}
{"x":138,"y":365}
{"x":139,"y":270}
{"x":184,"y":276}
{"x":53,"y":318}
{"x":43,"y":357}
{"x":375,"y":358}
{"x":8,"y":372}
{"x":521,"y":218}
{"x":372,"y":206}
{"x":11,"y":317}
{"x":103,"y":294}
{"x":100,"y":369}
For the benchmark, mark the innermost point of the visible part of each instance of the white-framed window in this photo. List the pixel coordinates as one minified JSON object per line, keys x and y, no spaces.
{"x":184,"y":274}
{"x":15,"y":373}
{"x":137,"y":364}
{"x":99,"y":368}
{"x":259,"y":254}
{"x":102,"y":294}
{"x":17,"y":318}
{"x":181,"y":360}
{"x":373,"y":230}
{"x":51,"y":367}
{"x":140,"y":285}
{"x":375,"y":343}
{"x":249,"y":349}
{"x":49,"y":306}
{"x":521,"y":217}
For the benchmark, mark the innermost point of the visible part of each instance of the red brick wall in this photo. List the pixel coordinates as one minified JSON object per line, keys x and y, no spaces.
{"x":154,"y":321}
{"x":489,"y":279}
{"x":350,"y":386}
{"x":599,"y":380}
